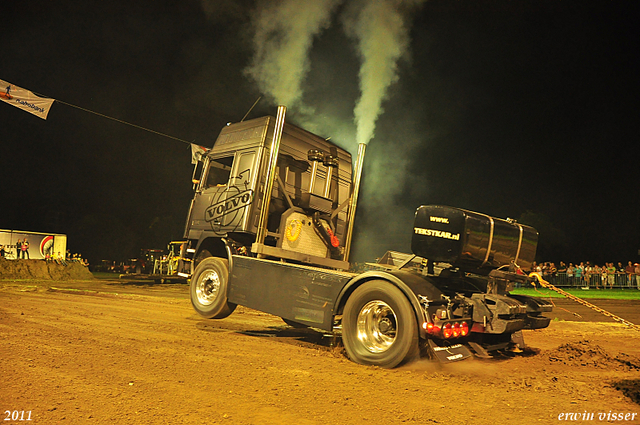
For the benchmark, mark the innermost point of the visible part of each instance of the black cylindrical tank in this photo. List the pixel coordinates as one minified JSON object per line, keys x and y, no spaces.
{"x":471,"y":241}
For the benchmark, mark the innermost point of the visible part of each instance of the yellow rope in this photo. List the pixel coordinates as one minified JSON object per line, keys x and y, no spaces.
{"x":548,"y":285}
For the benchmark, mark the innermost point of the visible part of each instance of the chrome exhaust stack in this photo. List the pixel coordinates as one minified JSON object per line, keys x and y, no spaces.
{"x":354,"y":199}
{"x":261,"y":231}
{"x":314,"y":156}
{"x":331,"y":163}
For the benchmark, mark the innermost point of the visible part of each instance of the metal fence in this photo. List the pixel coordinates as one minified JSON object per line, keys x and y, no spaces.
{"x":619,"y":280}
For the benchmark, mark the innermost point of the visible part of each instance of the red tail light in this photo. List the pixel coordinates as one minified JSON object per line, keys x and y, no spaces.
{"x":431,"y":328}
{"x":447,"y":330}
{"x":456,"y":330}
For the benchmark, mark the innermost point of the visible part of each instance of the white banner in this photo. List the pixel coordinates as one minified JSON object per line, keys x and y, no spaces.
{"x":197,"y":152}
{"x":25,"y":100}
{"x":40,"y":244}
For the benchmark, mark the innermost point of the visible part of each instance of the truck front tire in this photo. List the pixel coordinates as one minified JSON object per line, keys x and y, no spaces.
{"x":208,"y":288}
{"x":379,"y":326}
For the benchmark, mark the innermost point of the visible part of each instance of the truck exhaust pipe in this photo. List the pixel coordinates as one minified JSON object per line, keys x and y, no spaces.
{"x":261,"y":232}
{"x":330,"y":162}
{"x":354,"y":199}
{"x":314,"y":156}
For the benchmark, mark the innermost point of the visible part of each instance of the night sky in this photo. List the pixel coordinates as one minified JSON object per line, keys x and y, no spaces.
{"x":520,"y":109}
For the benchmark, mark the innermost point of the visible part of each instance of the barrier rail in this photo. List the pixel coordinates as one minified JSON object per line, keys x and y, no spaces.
{"x":620,"y":281}
{"x":594,"y":307}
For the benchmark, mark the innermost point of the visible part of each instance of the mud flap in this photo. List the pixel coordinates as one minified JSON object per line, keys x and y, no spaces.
{"x":451,"y":353}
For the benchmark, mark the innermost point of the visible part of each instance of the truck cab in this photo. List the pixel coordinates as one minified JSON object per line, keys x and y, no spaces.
{"x":313,"y":176}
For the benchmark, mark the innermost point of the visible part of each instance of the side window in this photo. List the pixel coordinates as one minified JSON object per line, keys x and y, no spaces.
{"x":219,"y":172}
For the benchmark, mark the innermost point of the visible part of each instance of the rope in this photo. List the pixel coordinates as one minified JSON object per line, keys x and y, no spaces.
{"x":290,"y":226}
{"x":123,"y":122}
{"x":548,"y":285}
{"x":118,"y":120}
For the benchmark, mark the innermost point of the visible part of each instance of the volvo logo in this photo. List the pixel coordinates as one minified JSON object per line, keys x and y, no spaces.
{"x":229,"y":204}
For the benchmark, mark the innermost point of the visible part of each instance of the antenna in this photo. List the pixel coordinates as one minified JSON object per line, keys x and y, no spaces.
{"x":251,"y":109}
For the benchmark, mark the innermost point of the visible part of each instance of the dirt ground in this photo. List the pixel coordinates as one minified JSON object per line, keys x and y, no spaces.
{"x":114,"y":352}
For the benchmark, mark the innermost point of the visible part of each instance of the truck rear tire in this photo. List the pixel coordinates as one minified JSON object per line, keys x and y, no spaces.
{"x":208,"y":288}
{"x":379,"y":326}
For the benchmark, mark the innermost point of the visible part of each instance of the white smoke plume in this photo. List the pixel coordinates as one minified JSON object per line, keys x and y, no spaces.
{"x":382,"y":37}
{"x":284,"y":32}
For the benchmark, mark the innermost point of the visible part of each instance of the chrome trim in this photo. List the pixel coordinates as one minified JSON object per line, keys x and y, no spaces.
{"x":207,"y":287}
{"x":486,"y":258}
{"x":377,"y":326}
{"x":515,"y":260}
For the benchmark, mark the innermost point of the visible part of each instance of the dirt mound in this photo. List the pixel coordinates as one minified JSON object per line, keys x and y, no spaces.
{"x":40,"y":269}
{"x":630,"y":388}
{"x":586,"y":353}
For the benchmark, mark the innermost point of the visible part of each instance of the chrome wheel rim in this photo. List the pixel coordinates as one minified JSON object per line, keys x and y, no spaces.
{"x":377,"y":326}
{"x":207,"y":287}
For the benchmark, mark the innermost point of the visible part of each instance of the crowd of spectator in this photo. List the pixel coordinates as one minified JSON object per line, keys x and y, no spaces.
{"x":58,"y":258}
{"x":586,"y":275}
{"x":21,"y":247}
{"x":22,"y":252}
